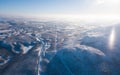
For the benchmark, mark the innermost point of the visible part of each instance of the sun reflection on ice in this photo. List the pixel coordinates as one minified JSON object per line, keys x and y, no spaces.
{"x":112,"y":38}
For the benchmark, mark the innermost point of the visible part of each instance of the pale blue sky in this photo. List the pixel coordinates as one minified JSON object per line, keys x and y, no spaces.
{"x":59,"y":7}
{"x":41,"y":6}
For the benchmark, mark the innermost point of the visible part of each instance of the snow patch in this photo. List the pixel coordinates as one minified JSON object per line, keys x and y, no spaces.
{"x":26,"y":49}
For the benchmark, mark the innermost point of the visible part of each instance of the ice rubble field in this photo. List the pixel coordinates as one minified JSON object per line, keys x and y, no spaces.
{"x":32,"y":47}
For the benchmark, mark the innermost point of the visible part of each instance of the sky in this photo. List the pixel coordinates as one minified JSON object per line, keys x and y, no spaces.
{"x":60,"y":7}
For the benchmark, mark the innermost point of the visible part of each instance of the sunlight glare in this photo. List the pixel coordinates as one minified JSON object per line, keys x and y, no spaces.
{"x":100,"y":1}
{"x":112,"y":39}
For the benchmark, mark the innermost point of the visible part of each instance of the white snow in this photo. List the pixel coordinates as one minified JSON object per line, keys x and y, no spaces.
{"x":92,"y":50}
{"x":4,"y":61}
{"x":26,"y":49}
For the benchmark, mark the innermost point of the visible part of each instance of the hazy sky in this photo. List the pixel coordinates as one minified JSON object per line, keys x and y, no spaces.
{"x":60,"y":7}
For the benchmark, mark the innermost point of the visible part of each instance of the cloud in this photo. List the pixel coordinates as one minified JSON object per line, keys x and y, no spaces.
{"x":103,"y":7}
